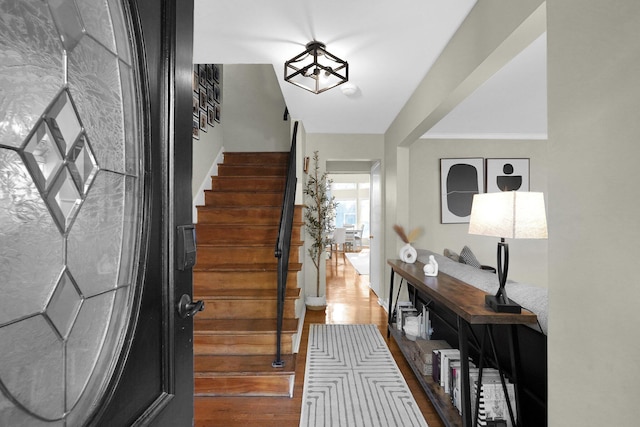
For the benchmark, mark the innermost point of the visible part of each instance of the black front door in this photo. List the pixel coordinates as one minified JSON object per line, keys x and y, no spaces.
{"x":95,"y":181}
{"x":156,"y":381}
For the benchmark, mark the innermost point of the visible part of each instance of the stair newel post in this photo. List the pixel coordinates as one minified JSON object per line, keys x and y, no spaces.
{"x":283,"y":243}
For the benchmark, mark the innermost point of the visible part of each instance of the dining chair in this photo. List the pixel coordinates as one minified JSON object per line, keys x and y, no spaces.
{"x":339,"y":239}
{"x":357,"y":237}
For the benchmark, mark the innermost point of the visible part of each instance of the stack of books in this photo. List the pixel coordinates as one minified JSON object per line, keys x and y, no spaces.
{"x":423,"y":356}
{"x":493,"y":408}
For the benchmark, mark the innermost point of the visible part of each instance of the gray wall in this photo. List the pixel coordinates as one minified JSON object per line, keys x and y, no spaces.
{"x":253,"y":110}
{"x":528,"y":260}
{"x":594,"y":212}
{"x":492,"y":34}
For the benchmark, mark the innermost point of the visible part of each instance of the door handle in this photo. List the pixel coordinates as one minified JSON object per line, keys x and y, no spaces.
{"x":186,"y":308}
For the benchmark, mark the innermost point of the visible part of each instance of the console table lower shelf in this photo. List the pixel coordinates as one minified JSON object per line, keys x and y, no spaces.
{"x":441,"y":401}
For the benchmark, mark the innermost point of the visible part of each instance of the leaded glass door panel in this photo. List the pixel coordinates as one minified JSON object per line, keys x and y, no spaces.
{"x":82,"y":197}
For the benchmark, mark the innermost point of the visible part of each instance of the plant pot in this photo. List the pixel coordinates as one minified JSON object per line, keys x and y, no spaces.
{"x":316,"y":303}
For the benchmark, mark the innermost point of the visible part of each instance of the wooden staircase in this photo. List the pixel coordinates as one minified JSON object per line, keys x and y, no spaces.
{"x":236,"y":277}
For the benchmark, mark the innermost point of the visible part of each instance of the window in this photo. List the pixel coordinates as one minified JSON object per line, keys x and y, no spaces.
{"x":351,"y":191}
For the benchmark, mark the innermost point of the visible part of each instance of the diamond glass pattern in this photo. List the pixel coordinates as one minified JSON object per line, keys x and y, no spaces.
{"x":64,"y":305}
{"x":64,"y":199}
{"x":64,"y":123}
{"x":69,"y":206}
{"x":43,"y":156}
{"x":82,"y":164}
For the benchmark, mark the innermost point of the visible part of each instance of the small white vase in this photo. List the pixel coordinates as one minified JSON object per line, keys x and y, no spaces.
{"x":408,"y":254}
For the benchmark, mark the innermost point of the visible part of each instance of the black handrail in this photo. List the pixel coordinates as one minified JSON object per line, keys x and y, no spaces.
{"x":283,"y":243}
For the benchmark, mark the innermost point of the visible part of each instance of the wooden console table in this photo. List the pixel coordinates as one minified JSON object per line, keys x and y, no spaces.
{"x":467,"y":303}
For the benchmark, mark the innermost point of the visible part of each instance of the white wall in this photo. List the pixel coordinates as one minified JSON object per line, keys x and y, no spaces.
{"x":594,"y":212}
{"x":253,"y":110}
{"x":528,"y":258}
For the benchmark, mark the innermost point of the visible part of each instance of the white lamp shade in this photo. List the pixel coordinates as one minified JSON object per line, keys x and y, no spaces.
{"x":509,"y":214}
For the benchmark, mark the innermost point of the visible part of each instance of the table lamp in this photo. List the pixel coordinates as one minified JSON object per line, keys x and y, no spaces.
{"x":512,"y":215}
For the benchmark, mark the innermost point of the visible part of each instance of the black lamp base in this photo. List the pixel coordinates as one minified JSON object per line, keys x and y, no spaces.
{"x":498,"y":304}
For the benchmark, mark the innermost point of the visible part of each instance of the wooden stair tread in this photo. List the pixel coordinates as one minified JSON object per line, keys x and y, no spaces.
{"x":243,"y":294}
{"x":246,"y":224}
{"x":234,"y":244}
{"x":241,"y":365}
{"x":275,"y":209}
{"x":242,"y":326}
{"x":246,"y":192}
{"x":249,"y":267}
{"x":249,"y":177}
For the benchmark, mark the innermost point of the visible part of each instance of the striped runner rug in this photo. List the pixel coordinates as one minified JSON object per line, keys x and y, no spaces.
{"x":351,"y":379}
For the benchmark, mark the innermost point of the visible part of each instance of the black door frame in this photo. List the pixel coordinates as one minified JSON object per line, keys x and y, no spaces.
{"x":153,"y":383}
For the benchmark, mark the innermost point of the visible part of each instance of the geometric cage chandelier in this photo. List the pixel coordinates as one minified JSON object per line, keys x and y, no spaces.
{"x":315,"y":69}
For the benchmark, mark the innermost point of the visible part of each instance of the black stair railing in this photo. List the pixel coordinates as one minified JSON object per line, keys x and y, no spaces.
{"x":283,"y":244}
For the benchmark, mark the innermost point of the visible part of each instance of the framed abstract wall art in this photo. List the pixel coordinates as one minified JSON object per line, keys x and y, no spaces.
{"x":507,"y":175}
{"x":460,"y":179}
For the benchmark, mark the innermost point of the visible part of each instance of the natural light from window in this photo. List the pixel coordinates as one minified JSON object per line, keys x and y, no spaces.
{"x":351,"y":191}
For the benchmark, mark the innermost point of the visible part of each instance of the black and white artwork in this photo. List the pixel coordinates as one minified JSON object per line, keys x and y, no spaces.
{"x":507,"y":175}
{"x":460,"y":179}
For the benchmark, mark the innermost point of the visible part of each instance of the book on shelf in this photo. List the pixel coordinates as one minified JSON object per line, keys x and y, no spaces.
{"x":489,"y":375}
{"x":446,"y":357}
{"x":425,"y":326}
{"x":403,"y":309}
{"x":455,"y":382}
{"x":493,"y":410}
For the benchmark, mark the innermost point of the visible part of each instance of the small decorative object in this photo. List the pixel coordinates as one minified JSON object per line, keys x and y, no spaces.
{"x":408,"y":253}
{"x":412,"y":327}
{"x":431,"y":268}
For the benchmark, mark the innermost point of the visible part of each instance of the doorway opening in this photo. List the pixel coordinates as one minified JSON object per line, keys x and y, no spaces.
{"x":351,"y":191}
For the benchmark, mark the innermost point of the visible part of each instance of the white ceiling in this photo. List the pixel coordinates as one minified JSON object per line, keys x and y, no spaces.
{"x":390,"y":46}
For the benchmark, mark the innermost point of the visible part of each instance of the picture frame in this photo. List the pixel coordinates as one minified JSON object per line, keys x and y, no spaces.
{"x":216,"y":73}
{"x":460,"y":179}
{"x":211,"y":113}
{"x":209,"y":69}
{"x":210,"y":94}
{"x":202,"y":73}
{"x":216,"y":93}
{"x":196,"y":104}
{"x":218,"y":112}
{"x":203,"y":121}
{"x":507,"y":175}
{"x":196,"y":129}
{"x":203,"y":98}
{"x":196,"y":81}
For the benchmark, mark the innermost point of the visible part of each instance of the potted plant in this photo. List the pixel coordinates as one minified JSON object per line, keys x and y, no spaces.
{"x":318,"y":215}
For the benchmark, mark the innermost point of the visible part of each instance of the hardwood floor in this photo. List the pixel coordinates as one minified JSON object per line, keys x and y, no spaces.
{"x":349,"y":301}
